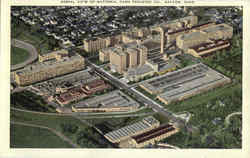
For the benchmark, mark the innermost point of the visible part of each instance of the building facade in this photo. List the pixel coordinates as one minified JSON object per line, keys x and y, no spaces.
{"x":49,"y":69}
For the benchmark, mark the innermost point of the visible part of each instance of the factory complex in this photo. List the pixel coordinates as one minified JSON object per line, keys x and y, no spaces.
{"x":145,"y":51}
{"x":184,"y":83}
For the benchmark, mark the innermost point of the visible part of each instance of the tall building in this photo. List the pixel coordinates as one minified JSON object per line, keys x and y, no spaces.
{"x":96,"y":44}
{"x":118,"y":60}
{"x":127,"y":56}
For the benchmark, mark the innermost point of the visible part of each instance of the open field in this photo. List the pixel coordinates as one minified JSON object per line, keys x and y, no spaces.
{"x":18,"y":55}
{"x":53,"y":122}
{"x":76,"y":130}
{"x":32,"y":137}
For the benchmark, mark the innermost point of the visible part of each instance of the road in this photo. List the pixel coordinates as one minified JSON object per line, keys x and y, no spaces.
{"x":32,"y":53}
{"x":59,"y":134}
{"x":140,"y":97}
{"x":86,"y":115}
{"x":227,"y":119}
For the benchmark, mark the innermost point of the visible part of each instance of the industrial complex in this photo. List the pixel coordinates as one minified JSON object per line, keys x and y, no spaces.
{"x":133,"y":73}
{"x":144,"y":51}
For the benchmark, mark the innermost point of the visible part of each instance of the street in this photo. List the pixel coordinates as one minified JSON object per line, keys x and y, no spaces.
{"x":141,"y":97}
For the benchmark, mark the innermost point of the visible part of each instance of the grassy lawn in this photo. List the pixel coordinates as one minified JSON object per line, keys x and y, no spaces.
{"x":31,"y":137}
{"x":82,"y":135}
{"x":46,"y":120}
{"x":18,"y":55}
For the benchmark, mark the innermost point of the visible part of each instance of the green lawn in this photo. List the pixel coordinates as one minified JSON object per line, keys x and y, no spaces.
{"x":18,"y":55}
{"x":56,"y":123}
{"x":46,"y":120}
{"x":31,"y":137}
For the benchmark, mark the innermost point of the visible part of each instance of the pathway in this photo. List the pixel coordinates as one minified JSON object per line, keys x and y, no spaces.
{"x":32,"y":53}
{"x":59,"y":134}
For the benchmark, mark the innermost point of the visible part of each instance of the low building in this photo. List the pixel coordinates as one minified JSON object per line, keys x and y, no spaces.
{"x":201,"y":35}
{"x":95,"y":86}
{"x":138,"y":73}
{"x":206,"y":49}
{"x":115,"y":101}
{"x":178,"y":84}
{"x":59,"y":54}
{"x":150,"y":137}
{"x":194,"y":80}
{"x":71,"y":95}
{"x":126,"y":132}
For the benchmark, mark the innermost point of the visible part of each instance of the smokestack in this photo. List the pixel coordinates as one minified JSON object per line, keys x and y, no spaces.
{"x":162,"y":40}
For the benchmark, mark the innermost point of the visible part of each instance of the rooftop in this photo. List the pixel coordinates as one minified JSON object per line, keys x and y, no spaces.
{"x":51,"y":64}
{"x":112,"y":99}
{"x":132,"y":129}
{"x":140,"y":70}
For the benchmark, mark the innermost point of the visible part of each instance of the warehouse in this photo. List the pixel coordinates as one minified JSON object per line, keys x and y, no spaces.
{"x":150,"y":137}
{"x":200,"y":79}
{"x":126,"y":132}
{"x":113,"y":101}
{"x":184,"y":82}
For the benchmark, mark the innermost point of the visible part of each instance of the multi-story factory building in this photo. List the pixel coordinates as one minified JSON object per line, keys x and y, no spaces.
{"x":95,"y":44}
{"x":127,"y":56}
{"x":49,"y":67}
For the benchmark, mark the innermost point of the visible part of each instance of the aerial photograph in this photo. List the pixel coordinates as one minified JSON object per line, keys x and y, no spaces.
{"x":162,"y":77}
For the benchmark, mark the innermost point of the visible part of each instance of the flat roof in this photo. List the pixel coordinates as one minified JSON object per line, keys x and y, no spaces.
{"x":186,"y":76}
{"x":112,"y":99}
{"x":153,"y":133}
{"x":49,"y":65}
{"x":140,"y":70}
{"x":215,"y":28}
{"x":191,"y":83}
{"x":151,"y":44}
{"x":132,"y":129}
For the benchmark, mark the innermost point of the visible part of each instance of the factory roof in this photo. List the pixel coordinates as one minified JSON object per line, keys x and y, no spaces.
{"x":140,"y":70}
{"x":186,"y":76}
{"x":151,"y":44}
{"x":190,"y":82}
{"x":133,"y":129}
{"x":112,"y":99}
{"x":215,"y":28}
{"x":153,"y":133}
{"x":193,"y":35}
{"x":44,"y":66}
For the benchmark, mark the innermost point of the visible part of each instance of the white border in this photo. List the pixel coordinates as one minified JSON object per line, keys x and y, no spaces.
{"x":38,"y":153}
